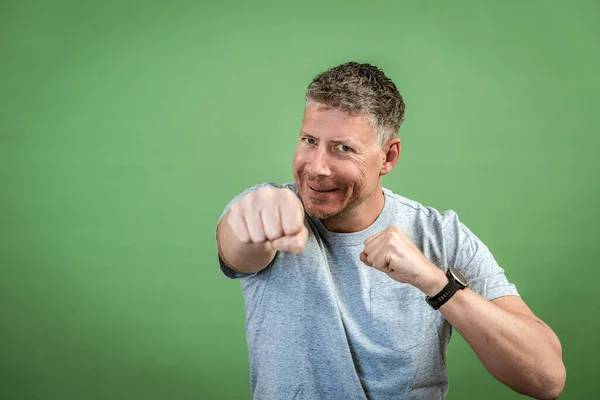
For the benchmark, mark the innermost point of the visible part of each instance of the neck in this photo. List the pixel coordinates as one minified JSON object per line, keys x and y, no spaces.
{"x":360,"y":217}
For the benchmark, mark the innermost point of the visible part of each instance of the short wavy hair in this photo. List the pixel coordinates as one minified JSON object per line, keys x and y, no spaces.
{"x":361,"y":88}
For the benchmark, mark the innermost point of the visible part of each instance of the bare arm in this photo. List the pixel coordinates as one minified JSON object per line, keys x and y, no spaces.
{"x":515,"y":346}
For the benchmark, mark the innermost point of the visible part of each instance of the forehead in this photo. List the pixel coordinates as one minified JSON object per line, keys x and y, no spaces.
{"x":334,"y":124}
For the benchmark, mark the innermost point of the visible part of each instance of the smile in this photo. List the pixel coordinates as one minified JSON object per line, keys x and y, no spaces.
{"x":322,"y":190}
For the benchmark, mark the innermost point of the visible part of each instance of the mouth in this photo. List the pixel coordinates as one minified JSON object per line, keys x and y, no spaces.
{"x":322,"y":189}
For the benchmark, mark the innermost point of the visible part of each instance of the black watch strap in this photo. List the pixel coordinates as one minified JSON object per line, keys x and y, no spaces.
{"x":446,"y":293}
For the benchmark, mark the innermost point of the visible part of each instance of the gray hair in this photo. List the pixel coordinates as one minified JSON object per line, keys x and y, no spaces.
{"x":361,"y":88}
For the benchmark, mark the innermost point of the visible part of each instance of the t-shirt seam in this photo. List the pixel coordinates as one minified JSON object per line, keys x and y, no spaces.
{"x":472,"y":244}
{"x":419,"y":208}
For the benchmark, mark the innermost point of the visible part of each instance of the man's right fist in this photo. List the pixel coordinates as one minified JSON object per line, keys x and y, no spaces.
{"x":270,"y":215}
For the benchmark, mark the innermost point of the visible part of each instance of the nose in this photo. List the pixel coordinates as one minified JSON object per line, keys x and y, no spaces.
{"x":319,"y":165}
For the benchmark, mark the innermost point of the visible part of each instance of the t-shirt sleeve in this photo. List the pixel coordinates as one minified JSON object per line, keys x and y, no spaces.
{"x":468,"y":254}
{"x":228,"y":272}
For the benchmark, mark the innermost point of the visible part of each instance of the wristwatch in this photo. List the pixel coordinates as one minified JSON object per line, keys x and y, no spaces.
{"x":456,"y":282}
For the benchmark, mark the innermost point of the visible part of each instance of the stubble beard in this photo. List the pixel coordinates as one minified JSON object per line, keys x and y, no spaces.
{"x":347,"y":210}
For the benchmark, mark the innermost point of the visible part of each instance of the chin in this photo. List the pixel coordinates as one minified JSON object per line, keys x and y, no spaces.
{"x":319,"y":214}
{"x":322,"y":212}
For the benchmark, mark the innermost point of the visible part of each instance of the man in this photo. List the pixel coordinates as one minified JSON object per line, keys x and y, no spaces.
{"x":351,"y":291}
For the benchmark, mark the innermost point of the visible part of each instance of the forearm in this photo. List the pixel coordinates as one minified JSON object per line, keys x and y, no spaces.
{"x":517,"y":349}
{"x":242,"y":257}
{"x":514,"y":345}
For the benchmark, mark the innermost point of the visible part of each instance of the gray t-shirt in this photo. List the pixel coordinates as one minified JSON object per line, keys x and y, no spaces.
{"x":322,"y":325}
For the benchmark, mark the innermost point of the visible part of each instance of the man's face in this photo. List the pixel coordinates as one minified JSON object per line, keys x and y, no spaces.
{"x":337,"y":162}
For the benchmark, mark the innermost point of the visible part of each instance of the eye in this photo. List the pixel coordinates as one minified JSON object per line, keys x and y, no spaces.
{"x":309,"y":140}
{"x":344,"y":148}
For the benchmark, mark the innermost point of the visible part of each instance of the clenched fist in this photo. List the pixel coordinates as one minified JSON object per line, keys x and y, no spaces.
{"x":392,"y":252}
{"x":271,"y":215}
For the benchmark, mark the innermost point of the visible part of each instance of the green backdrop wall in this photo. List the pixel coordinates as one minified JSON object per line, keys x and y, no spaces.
{"x":125,"y":128}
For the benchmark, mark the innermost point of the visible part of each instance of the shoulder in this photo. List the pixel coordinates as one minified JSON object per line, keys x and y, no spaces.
{"x":418,"y":212}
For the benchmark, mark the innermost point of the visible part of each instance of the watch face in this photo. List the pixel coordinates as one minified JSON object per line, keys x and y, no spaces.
{"x":458,"y":276}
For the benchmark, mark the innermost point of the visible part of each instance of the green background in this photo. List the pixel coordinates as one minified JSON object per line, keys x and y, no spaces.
{"x":125,"y":128}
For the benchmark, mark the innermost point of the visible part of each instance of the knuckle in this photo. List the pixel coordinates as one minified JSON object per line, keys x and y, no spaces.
{"x":249,"y":198}
{"x":263,"y":190}
{"x":287,"y":193}
{"x":266,"y":192}
{"x":236,"y":208}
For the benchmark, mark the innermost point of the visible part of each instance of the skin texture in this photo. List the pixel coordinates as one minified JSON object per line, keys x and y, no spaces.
{"x":338,"y":168}
{"x":258,"y":225}
{"x":514,"y":345}
{"x":339,"y":151}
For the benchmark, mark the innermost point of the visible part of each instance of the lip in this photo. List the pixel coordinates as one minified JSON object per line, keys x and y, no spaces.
{"x":322,"y":191}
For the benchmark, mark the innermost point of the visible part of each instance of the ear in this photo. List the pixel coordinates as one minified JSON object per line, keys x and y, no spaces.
{"x":391,"y":155}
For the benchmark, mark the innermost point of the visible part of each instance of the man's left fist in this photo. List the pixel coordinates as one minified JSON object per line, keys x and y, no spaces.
{"x":391,"y":251}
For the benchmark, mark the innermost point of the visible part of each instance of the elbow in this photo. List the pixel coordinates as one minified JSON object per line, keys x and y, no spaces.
{"x":554,"y":383}
{"x":546,"y":384}
{"x":558,"y":385}
{"x":554,"y":375}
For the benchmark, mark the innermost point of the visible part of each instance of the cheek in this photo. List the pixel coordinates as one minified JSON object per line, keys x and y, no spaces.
{"x":298,"y":165}
{"x":299,"y":168}
{"x":296,"y":161}
{"x":360,"y":171}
